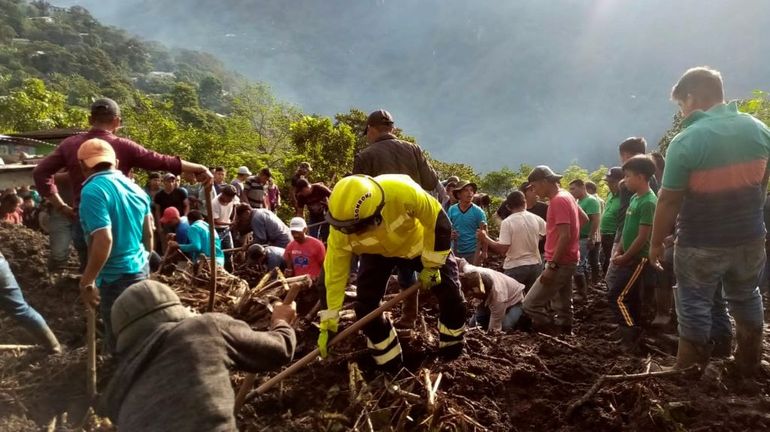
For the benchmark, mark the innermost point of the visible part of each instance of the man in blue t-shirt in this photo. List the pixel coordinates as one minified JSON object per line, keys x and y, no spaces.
{"x":116,"y":218}
{"x":466,"y":218}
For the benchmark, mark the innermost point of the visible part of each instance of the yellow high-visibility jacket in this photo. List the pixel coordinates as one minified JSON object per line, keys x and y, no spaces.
{"x":413,"y":224}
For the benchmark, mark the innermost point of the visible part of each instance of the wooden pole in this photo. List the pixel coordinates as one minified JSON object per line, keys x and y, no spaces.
{"x":91,"y":363}
{"x":248,"y":383}
{"x":212,"y":247}
{"x":310,"y":357}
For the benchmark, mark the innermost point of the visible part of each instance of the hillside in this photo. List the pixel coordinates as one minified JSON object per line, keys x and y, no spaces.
{"x":526,"y":82}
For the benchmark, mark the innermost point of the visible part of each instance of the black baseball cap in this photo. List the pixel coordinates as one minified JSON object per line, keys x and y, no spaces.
{"x":614,"y":173}
{"x":524,"y":186}
{"x":543,"y":172}
{"x":105,"y":107}
{"x":378,"y":118}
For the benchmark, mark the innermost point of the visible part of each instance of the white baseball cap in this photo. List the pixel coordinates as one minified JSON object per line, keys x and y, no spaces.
{"x":297,"y":224}
{"x":244,"y":170}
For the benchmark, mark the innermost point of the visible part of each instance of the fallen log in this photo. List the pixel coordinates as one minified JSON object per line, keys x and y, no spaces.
{"x":604,"y":379}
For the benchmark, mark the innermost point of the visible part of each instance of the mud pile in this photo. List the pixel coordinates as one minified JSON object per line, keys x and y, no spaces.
{"x":518,"y":381}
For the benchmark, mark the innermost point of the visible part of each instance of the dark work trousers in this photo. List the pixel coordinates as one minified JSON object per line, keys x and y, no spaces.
{"x":593,"y":261}
{"x":607,"y":243}
{"x":624,"y":286}
{"x":373,"y":274}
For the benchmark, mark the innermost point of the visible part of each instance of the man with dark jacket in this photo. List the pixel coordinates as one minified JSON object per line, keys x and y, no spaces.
{"x":157,"y":338}
{"x":386,"y":154}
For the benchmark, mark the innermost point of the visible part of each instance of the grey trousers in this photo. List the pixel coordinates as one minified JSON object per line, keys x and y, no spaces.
{"x":557,"y":295}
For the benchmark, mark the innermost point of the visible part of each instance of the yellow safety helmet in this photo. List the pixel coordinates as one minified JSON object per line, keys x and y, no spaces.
{"x":356,"y":202}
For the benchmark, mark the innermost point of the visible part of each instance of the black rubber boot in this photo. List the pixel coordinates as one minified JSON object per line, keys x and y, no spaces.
{"x":581,"y":288}
{"x":630,"y":340}
{"x":722,"y":347}
{"x":748,"y":353}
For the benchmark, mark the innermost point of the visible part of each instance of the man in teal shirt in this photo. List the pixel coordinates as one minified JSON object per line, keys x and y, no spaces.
{"x":466,"y":218}
{"x":116,"y":218}
{"x":592,"y":209}
{"x":199,"y":240}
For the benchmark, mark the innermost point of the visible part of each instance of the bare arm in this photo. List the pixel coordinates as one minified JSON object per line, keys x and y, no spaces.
{"x":594,"y":218}
{"x":98,"y":252}
{"x":147,"y":233}
{"x":582,"y":217}
{"x":202,"y":174}
{"x":666,"y":211}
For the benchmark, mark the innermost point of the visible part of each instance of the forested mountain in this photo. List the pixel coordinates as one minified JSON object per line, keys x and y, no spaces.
{"x":491,"y":83}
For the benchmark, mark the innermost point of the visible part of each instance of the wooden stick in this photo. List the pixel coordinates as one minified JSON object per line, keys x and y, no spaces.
{"x":212,"y":247}
{"x":620,"y":378}
{"x":91,"y":363}
{"x":431,"y":399}
{"x":355,"y":327}
{"x":248,"y":383}
{"x":17,"y":347}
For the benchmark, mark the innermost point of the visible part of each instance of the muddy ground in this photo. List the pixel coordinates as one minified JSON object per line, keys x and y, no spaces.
{"x":518,"y":381}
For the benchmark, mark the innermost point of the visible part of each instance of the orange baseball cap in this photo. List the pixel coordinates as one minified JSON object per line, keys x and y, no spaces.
{"x":169,"y":214}
{"x":96,"y":151}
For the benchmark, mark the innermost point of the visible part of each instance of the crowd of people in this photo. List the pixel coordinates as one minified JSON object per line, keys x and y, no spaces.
{"x":662,"y":225}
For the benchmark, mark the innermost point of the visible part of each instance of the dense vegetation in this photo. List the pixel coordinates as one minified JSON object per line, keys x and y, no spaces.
{"x":54,"y":62}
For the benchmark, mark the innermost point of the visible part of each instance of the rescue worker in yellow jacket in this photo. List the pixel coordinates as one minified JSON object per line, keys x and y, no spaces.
{"x":390,"y":222}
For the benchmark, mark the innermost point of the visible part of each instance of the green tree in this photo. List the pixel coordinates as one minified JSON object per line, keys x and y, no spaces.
{"x":33,"y":107}
{"x":448,"y":169}
{"x":328,"y":146}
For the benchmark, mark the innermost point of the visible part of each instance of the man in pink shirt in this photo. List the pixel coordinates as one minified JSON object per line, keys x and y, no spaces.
{"x":554,"y":286}
{"x":305,"y":256}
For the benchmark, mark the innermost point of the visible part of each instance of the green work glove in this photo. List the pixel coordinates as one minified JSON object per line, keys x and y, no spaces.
{"x":429,"y":277}
{"x":329,"y":323}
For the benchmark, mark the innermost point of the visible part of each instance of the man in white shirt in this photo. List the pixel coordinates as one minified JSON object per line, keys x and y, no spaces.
{"x":519,"y":236}
{"x":223,"y":208}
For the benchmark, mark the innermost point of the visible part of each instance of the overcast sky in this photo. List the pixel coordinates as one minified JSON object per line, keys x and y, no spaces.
{"x":490,"y":83}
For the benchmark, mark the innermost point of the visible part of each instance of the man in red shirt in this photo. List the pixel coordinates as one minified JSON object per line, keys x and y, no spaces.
{"x":554,"y":286}
{"x":105,"y":120}
{"x":305,"y":256}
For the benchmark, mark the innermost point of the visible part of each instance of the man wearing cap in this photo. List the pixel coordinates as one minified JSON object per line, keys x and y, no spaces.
{"x":386,"y":154}
{"x":520,"y":234}
{"x":305,"y":254}
{"x":171,"y":196}
{"x":466,"y":218}
{"x":105,"y":121}
{"x":116,"y":218}
{"x":199,"y":240}
{"x":167,"y":354}
{"x":176,"y":224}
{"x":549,"y":301}
{"x":240,"y":176}
{"x":609,"y":224}
{"x":303,"y":170}
{"x":390,"y":222}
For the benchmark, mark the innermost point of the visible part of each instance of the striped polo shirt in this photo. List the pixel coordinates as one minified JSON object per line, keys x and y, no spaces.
{"x":719,"y":160}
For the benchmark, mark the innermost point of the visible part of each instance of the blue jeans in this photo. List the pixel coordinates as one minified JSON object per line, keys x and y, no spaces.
{"x":79,"y":240}
{"x":582,"y":267}
{"x":12,"y":301}
{"x":526,"y":274}
{"x":699,"y":273}
{"x":59,"y":238}
{"x":512,"y":316}
{"x":110,"y":292}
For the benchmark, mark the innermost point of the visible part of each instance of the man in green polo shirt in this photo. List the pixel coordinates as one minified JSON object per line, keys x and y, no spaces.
{"x":592,"y":209}
{"x":714,"y":186}
{"x":609,"y":224}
